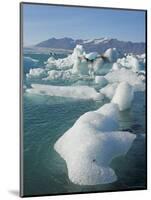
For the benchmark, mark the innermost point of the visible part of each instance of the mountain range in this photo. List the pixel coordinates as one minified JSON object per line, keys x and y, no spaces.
{"x":99,"y":45}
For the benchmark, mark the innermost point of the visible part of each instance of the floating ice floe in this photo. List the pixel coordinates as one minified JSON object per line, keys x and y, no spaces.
{"x":58,"y":75}
{"x":79,"y":92}
{"x":91,"y":56}
{"x":133,"y":62}
{"x":65,"y":63}
{"x":109,"y":90}
{"x":126,"y":75}
{"x":101,"y":81}
{"x":123,"y":96}
{"x":90,"y":145}
{"x":29,"y":59}
{"x":53,"y":75}
{"x":116,"y":66}
{"x":80,"y":67}
{"x":36,"y":73}
{"x":112,"y":54}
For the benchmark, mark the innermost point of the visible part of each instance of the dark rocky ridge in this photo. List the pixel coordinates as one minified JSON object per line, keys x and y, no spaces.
{"x":99,"y":45}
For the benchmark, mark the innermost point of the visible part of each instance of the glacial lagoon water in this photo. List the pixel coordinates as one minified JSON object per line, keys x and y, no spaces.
{"x":47,"y":118}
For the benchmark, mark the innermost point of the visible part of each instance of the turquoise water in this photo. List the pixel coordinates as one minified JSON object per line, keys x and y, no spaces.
{"x":47,"y":118}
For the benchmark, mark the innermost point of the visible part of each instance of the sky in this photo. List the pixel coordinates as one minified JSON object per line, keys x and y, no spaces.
{"x":41,"y":22}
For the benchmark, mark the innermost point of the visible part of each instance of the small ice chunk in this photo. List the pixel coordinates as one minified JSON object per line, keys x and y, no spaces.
{"x":53,"y":75}
{"x":109,"y":90}
{"x":133,"y":62}
{"x":80,"y":66}
{"x":116,"y":66}
{"x":109,"y":110}
{"x":101,"y":81}
{"x":91,"y":56}
{"x":126,"y":75}
{"x":98,"y":65}
{"x":123,"y":96}
{"x":112,"y":54}
{"x":36,"y":73}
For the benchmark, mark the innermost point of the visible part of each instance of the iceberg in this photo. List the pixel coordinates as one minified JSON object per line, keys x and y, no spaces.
{"x":101,"y":81}
{"x":78,"y":92}
{"x":133,"y":62}
{"x":91,"y":56}
{"x":37,"y":73}
{"x":126,"y":75}
{"x":123,"y":96}
{"x":109,"y":90}
{"x":58,"y":75}
{"x":90,"y":145}
{"x":112,"y":54}
{"x":116,"y":66}
{"x":92,"y":67}
{"x":98,"y":65}
{"x":53,"y":75}
{"x":80,"y":66}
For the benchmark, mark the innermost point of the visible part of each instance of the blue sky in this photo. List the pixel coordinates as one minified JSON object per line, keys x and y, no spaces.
{"x":41,"y":22}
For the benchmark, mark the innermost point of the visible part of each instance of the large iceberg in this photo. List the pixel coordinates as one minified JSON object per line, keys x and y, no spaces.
{"x":91,"y":144}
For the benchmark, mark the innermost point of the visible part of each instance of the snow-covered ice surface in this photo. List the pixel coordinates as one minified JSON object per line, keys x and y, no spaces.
{"x":94,"y":140}
{"x":79,"y":92}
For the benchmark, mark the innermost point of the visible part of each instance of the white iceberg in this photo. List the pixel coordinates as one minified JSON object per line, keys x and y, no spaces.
{"x":58,"y":75}
{"x":109,"y":90}
{"x":78,"y":92}
{"x":101,"y":81}
{"x":90,"y":145}
{"x":126,"y":75}
{"x":91,"y":56}
{"x":80,"y":66}
{"x":116,"y":66}
{"x":53,"y":75}
{"x":133,"y":62}
{"x":123,"y":96}
{"x":112,"y":54}
{"x":37,"y":73}
{"x":98,"y":65}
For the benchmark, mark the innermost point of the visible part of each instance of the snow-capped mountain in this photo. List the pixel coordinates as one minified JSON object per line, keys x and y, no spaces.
{"x":99,"y":45}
